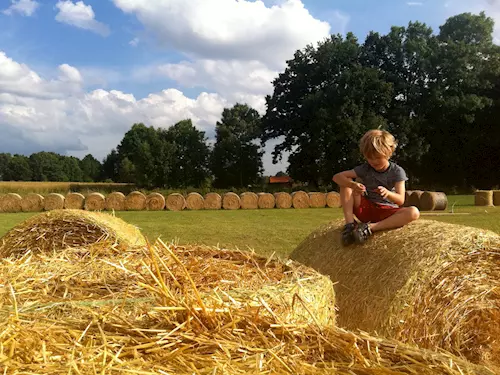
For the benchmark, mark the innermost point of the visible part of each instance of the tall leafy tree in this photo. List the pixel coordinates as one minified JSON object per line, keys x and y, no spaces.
{"x":237,"y":157}
{"x":71,"y":169}
{"x":18,"y":169}
{"x":91,"y":168}
{"x":4,"y":162}
{"x":111,"y":167}
{"x":47,"y":166}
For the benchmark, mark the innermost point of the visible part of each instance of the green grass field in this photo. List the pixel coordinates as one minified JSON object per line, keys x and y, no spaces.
{"x":265,"y":231}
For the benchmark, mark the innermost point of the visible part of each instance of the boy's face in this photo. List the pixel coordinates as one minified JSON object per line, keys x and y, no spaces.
{"x":378,"y":162}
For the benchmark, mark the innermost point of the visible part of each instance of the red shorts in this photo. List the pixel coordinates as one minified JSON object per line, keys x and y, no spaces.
{"x":369,"y":212}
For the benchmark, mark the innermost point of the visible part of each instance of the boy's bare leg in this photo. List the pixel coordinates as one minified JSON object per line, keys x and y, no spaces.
{"x":401,"y":218}
{"x":349,"y":200}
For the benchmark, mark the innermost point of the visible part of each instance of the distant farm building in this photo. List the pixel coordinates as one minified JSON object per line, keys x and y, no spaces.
{"x":281,"y":181}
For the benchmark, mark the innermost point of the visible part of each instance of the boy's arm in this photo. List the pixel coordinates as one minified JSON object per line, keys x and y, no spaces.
{"x":345,"y":179}
{"x":398,"y":196}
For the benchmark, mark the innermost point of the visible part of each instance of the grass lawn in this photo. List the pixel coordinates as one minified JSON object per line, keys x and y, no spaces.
{"x":265,"y":231}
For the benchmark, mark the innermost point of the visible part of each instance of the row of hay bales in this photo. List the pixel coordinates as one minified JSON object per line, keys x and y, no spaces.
{"x":426,"y":200}
{"x":487,"y":198}
{"x":137,"y":201}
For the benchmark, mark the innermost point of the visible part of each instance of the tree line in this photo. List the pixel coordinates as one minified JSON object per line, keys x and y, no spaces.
{"x":439,"y":94}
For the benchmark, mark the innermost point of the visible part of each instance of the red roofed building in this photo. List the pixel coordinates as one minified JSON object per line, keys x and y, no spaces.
{"x":283,"y":180}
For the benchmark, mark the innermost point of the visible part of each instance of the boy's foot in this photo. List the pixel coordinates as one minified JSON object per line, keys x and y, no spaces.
{"x":362,"y":233}
{"x":348,"y":234}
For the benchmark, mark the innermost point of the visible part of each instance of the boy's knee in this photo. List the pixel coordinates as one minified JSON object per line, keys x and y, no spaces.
{"x":414,"y":213}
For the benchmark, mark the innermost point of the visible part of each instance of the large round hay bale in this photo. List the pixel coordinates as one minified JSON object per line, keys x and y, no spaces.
{"x":135,"y":201}
{"x":95,"y":202}
{"x":10,"y":202}
{"x":231,"y":201}
{"x":32,"y":203}
{"x":300,"y":199}
{"x":433,"y":201}
{"x":155,"y":202}
{"x":283,"y":200}
{"x":175,"y":202}
{"x":317,"y":200}
{"x":53,"y":201}
{"x":414,"y":199}
{"x":407,"y":198}
{"x":74,"y":201}
{"x":266,"y":200}
{"x":249,"y":201}
{"x":432,"y":284}
{"x":333,"y":200}
{"x":194,"y":201}
{"x":484,"y":198}
{"x":212,"y":201}
{"x":115,"y":201}
{"x":61,"y":229}
{"x":496,"y":197}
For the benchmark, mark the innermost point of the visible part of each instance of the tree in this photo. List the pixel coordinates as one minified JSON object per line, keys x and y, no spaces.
{"x":111,"y":167}
{"x":18,"y":169}
{"x":91,"y":168}
{"x":126,"y":171}
{"x":4,"y":162}
{"x":71,"y":169}
{"x":237,"y":158}
{"x":47,"y":166}
{"x":190,"y":158}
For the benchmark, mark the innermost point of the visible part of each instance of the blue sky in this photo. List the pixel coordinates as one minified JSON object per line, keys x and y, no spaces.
{"x":75,"y":75}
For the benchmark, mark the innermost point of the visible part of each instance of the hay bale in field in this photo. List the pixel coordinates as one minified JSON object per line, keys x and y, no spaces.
{"x":212,"y":201}
{"x":155,"y":202}
{"x":433,"y":284}
{"x":216,"y":310}
{"x":249,"y":201}
{"x":433,"y":201}
{"x":496,"y":197}
{"x":32,"y":203}
{"x":74,"y":201}
{"x":95,"y":202}
{"x":283,"y":200}
{"x":194,"y":201}
{"x":333,"y":200}
{"x":266,"y":201}
{"x":407,"y":198}
{"x":414,"y":198}
{"x":175,"y":202}
{"x":317,"y":200}
{"x":10,"y":202}
{"x":135,"y":201}
{"x":300,"y":199}
{"x":60,"y":229}
{"x":115,"y":201}
{"x":53,"y":201}
{"x":231,"y":201}
{"x":484,"y":198}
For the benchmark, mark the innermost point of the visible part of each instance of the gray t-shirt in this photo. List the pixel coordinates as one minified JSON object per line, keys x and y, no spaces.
{"x":373,"y":179}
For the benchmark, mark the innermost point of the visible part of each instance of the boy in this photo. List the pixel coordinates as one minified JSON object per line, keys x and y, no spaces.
{"x":375,"y":202}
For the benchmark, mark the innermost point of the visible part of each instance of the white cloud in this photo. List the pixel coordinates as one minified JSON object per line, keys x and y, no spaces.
{"x":80,"y":15}
{"x":23,"y":7}
{"x":134,"y":42}
{"x":230,"y":29}
{"x":414,"y":3}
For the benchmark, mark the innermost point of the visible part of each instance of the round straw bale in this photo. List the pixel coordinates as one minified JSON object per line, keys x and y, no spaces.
{"x":10,"y":202}
{"x":407,"y":198}
{"x":231,"y":201}
{"x":95,"y":202}
{"x":300,"y":199}
{"x":283,"y":200}
{"x":53,"y":201}
{"x":317,"y":200}
{"x":135,"y":201}
{"x":61,"y":229}
{"x":194,"y":201}
{"x":155,"y":202}
{"x":414,"y":199}
{"x":212,"y":201}
{"x":32,"y":203}
{"x":333,"y":200}
{"x":433,"y":284}
{"x":433,"y":201}
{"x":74,"y":201}
{"x":484,"y":198}
{"x":496,"y":197}
{"x":266,"y":200}
{"x":175,"y":202}
{"x":115,"y":201}
{"x":249,"y":201}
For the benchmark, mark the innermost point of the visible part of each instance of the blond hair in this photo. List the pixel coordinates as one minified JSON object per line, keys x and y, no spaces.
{"x":378,"y":143}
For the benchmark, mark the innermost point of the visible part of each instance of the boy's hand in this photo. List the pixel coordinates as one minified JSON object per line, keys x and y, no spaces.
{"x":383,"y":192}
{"x":358,"y":188}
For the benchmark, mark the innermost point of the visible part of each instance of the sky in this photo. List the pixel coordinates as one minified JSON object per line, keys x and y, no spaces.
{"x":75,"y":75}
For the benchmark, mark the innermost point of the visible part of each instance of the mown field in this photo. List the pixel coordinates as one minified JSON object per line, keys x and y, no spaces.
{"x":265,"y":231}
